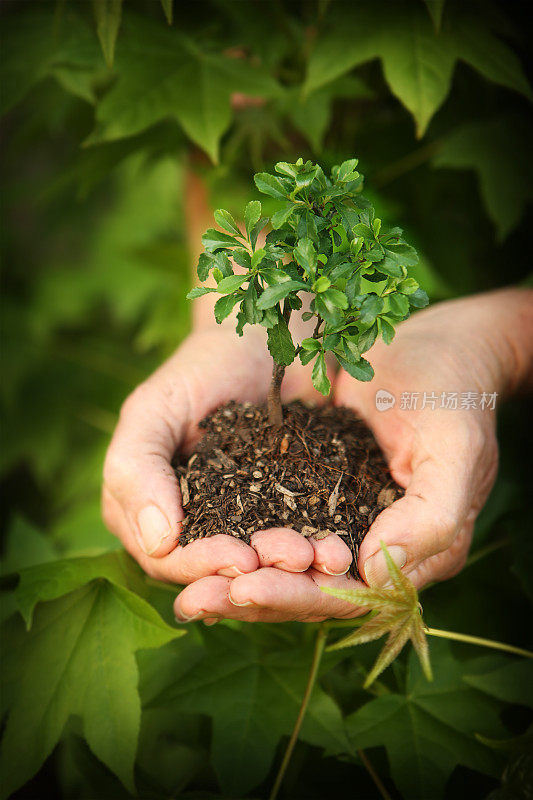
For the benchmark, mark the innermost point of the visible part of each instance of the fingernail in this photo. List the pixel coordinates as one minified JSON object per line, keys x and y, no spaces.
{"x":246,"y":603}
{"x":211,"y":621}
{"x":329,"y":572}
{"x":187,"y":619}
{"x":375,"y":567}
{"x":153,"y":527}
{"x":286,"y":568}
{"x":230,"y":572}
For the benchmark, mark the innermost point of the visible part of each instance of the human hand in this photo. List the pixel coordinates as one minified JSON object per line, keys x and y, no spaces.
{"x":141,"y":502}
{"x":446,"y":459}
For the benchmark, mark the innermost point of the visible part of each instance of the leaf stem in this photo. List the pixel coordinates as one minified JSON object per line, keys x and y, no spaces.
{"x":374,"y":775}
{"x":463,"y":637}
{"x":477,"y":555}
{"x":320,"y":644}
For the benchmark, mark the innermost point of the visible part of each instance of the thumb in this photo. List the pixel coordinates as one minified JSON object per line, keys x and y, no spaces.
{"x":419,"y":525}
{"x":140,"y":486}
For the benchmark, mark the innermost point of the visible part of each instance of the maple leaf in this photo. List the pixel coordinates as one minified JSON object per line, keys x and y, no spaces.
{"x":77,"y":658}
{"x":398,"y":613}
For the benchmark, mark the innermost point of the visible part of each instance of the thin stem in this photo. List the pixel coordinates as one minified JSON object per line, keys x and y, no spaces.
{"x":320,"y":644}
{"x":275,"y":411}
{"x":486,"y":551}
{"x":463,"y":637}
{"x":374,"y":775}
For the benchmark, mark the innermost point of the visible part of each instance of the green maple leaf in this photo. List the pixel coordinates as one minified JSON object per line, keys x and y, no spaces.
{"x":40,"y":44}
{"x":418,"y":63}
{"x":163,"y":74}
{"x":398,"y":614}
{"x":432,"y":727}
{"x":478,"y":146}
{"x":252,"y":686}
{"x":77,"y":659}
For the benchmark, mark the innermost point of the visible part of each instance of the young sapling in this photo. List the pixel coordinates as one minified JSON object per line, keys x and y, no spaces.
{"x":325,"y":248}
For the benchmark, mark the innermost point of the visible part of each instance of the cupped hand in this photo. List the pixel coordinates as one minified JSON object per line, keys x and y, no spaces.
{"x":141,"y":502}
{"x":444,"y":457}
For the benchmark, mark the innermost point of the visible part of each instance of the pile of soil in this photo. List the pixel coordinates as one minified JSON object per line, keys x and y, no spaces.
{"x":322,"y":473}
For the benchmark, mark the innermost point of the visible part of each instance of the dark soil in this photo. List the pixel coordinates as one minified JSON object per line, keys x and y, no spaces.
{"x":322,"y":473}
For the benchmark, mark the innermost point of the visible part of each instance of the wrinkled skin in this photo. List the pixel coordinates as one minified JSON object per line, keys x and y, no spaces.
{"x":446,"y":460}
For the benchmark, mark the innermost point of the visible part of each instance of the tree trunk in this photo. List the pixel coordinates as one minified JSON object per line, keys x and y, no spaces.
{"x":275,"y":412}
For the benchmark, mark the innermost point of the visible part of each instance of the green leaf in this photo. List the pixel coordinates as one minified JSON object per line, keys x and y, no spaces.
{"x":205,"y":264}
{"x":311,"y":115}
{"x":162,"y":74}
{"x":214,"y":240}
{"x":371,"y":306}
{"x":417,"y":63}
{"x":226,"y":221}
{"x":346,"y":169}
{"x":367,"y":338}
{"x":403,"y":254}
{"x":26,"y":546}
{"x":39,"y":44}
{"x":50,"y":581}
{"x":250,"y":684}
{"x":418,"y":299}
{"x":280,"y":217}
{"x":224,"y":306}
{"x":361,"y":370}
{"x":306,"y":255}
{"x":334,"y":298}
{"x":435,"y":9}
{"x":497,"y":150}
{"x":252,"y":214}
{"x":389,"y":266}
{"x":167,"y":8}
{"x":399,"y":304}
{"x":271,"y":185}
{"x":353,"y":288}
{"x":107,"y":14}
{"x":431,"y":728}
{"x":311,"y":344}
{"x":387,"y":330}
{"x":319,"y":376}
{"x":257,"y":257}
{"x":78,"y":660}
{"x":321,"y":284}
{"x":273,"y":294}
{"x":280,"y":344}
{"x":198,"y":291}
{"x":327,"y":310}
{"x":408,"y":286}
{"x":274,"y":276}
{"x":231,"y":283}
{"x":488,"y":55}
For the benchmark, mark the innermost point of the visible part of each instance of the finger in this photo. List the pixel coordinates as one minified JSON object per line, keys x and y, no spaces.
{"x":421,"y":524}
{"x":138,"y":472}
{"x":283,"y":548}
{"x":447,"y":564}
{"x":216,"y":555}
{"x":292,"y":597}
{"x":271,"y":595}
{"x":331,"y":555}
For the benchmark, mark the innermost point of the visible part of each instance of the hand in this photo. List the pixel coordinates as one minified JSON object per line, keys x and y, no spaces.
{"x":141,"y":501}
{"x":446,"y":459}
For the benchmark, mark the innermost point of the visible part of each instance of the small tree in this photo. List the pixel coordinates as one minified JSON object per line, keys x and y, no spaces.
{"x":327,"y":244}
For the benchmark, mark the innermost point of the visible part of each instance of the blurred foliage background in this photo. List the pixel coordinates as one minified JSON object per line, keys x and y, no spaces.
{"x":106,"y":105}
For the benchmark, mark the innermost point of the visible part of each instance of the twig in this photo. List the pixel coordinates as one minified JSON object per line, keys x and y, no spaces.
{"x":374,"y":775}
{"x":477,"y":555}
{"x":463,"y":637}
{"x":320,"y":645}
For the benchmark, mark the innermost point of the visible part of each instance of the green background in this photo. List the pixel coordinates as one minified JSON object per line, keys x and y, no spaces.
{"x":433,"y":98}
